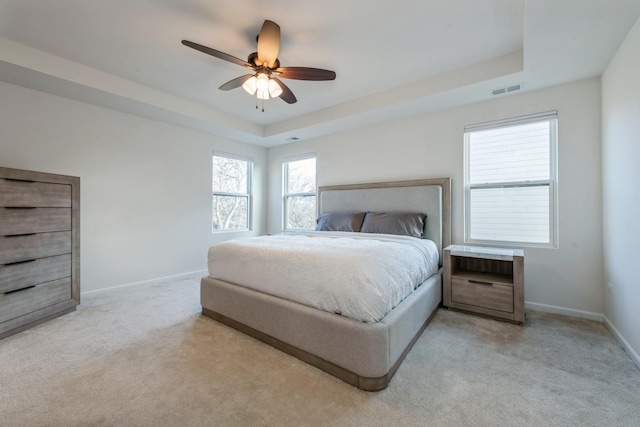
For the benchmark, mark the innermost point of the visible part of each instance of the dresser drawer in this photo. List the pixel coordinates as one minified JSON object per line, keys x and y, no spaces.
{"x":34,"y":220}
{"x":489,"y":295}
{"x":33,"y":246}
{"x":34,"y":194}
{"x":16,"y":304}
{"x":31,"y":273}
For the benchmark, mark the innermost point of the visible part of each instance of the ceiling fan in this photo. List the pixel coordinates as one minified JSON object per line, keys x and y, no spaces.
{"x":264,"y":81}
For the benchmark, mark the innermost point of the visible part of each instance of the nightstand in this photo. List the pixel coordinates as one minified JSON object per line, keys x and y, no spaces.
{"x":488,"y":281}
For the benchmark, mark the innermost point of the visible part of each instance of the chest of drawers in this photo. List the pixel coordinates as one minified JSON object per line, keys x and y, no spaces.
{"x":39,"y":248}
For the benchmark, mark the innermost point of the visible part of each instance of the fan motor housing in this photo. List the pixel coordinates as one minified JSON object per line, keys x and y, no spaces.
{"x":253,"y":59}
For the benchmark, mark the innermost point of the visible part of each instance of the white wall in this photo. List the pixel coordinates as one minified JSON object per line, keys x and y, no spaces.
{"x":431,"y":145}
{"x":621,"y":188}
{"x":145,"y":185}
{"x":146,"y":201}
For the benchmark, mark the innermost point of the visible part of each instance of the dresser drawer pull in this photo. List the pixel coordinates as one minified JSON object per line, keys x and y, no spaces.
{"x":478,"y":282}
{"x":20,"y":235}
{"x":19,"y":180}
{"x":19,"y":290}
{"x":20,"y":207}
{"x":19,"y":262}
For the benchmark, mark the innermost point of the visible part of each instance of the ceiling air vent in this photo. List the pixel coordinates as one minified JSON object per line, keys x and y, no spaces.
{"x":506,"y":89}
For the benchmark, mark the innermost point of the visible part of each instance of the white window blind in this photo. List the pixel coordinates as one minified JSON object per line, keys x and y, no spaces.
{"x":510,"y":181}
{"x":299,"y":192}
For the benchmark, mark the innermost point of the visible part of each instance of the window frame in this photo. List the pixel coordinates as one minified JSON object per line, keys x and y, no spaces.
{"x":552,"y":182}
{"x":285,"y":189}
{"x":247,"y":195}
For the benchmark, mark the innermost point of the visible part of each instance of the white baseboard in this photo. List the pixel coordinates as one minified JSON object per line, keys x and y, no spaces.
{"x":565,"y":311}
{"x":623,"y":342}
{"x":144,"y":282}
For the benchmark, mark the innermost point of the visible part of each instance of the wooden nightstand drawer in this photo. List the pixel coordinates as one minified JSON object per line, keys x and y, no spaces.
{"x":477,"y":293}
{"x":485,"y":281}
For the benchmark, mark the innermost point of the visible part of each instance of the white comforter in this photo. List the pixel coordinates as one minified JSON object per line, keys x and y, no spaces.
{"x":359,"y":275}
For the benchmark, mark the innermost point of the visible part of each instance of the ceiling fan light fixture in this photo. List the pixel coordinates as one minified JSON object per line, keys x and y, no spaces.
{"x":262,"y":82}
{"x":262,"y":94}
{"x":274,"y":89}
{"x":250,"y":85}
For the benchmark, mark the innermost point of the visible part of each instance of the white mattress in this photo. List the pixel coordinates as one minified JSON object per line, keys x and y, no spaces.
{"x":359,"y":275}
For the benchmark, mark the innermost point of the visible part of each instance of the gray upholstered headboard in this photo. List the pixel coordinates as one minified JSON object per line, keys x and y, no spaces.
{"x":430,"y":196}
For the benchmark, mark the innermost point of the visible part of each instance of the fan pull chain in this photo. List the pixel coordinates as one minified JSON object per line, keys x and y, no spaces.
{"x":257,"y":104}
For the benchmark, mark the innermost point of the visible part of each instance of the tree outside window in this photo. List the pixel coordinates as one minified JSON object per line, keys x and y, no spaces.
{"x":231,"y":188}
{"x":300,"y":193}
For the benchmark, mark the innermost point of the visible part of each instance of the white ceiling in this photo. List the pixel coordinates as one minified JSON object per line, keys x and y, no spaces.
{"x":391,"y":58}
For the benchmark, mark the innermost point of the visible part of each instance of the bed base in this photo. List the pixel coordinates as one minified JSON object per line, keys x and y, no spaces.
{"x":363,"y":383}
{"x":365,"y":355}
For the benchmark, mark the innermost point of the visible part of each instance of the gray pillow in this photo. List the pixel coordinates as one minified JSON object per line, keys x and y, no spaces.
{"x":340,"y":222}
{"x":406,"y":224}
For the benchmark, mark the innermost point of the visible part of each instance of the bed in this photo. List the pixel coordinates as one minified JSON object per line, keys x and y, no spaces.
{"x":365,"y":354}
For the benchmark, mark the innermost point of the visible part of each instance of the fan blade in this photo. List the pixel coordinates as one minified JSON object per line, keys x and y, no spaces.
{"x":305,"y":73}
{"x":286,"y":95}
{"x":269,"y":43}
{"x":237,"y":82}
{"x":216,"y":53}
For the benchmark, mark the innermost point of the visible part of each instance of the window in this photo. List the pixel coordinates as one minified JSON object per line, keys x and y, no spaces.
{"x":299,"y":193}
{"x":510,"y":181}
{"x":231,"y":189}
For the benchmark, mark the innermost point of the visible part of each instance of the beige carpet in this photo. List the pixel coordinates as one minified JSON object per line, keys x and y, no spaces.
{"x":144,"y":355}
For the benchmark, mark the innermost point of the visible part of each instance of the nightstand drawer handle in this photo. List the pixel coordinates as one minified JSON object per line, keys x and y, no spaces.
{"x":477,"y":282}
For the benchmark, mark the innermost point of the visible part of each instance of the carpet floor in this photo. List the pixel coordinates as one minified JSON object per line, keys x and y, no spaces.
{"x":145,"y":356}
